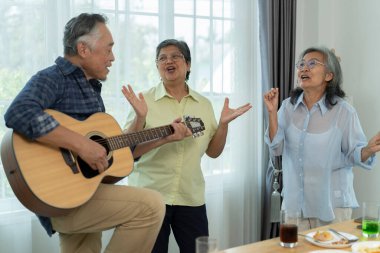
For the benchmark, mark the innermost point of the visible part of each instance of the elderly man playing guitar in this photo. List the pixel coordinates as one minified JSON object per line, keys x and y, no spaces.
{"x":72,"y":87}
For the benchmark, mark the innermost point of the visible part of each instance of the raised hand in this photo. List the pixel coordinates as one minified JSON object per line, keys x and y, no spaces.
{"x":271,"y":100}
{"x":228,"y":114}
{"x":372,"y":147}
{"x":137,"y":102}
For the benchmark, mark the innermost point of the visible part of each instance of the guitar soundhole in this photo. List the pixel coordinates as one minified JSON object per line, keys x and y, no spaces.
{"x":85,"y":168}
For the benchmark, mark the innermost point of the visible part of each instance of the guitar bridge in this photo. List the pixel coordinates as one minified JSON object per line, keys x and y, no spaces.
{"x":69,"y":160}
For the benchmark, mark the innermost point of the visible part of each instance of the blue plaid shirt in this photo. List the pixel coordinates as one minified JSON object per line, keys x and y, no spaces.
{"x":62,"y":87}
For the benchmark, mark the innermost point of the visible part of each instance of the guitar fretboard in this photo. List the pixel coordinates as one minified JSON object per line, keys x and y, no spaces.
{"x":132,"y":139}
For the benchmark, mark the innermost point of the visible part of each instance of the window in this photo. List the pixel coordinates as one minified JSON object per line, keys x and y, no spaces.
{"x":222,"y":36}
{"x":32,"y":39}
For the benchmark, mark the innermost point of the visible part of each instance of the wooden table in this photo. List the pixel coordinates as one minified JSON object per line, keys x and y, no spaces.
{"x":273,"y":245}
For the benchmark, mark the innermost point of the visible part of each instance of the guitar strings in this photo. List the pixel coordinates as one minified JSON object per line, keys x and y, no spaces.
{"x":137,"y":135}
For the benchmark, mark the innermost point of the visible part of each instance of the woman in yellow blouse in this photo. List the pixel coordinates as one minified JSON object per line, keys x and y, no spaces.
{"x":174,"y":169}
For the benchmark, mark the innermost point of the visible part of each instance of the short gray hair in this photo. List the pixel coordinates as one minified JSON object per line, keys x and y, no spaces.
{"x":81,"y":29}
{"x":182,"y":47}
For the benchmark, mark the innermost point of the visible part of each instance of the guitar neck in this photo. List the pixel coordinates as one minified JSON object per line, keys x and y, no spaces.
{"x":132,"y":139}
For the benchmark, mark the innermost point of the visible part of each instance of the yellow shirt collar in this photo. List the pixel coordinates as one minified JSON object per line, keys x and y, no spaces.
{"x":161,"y":92}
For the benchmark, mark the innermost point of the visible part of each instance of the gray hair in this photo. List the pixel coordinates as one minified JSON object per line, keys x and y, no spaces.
{"x":82,"y":28}
{"x":182,"y":47}
{"x":334,"y":86}
{"x":331,"y":61}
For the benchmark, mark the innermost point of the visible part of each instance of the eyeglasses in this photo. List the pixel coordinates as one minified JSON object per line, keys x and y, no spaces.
{"x":310,"y":64}
{"x":162,"y":59}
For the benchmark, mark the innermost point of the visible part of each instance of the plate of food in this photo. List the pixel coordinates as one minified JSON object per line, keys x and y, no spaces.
{"x":366,"y":247}
{"x":327,"y":239}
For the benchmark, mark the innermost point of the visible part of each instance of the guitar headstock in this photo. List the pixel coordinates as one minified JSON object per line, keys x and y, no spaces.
{"x":195,"y":125}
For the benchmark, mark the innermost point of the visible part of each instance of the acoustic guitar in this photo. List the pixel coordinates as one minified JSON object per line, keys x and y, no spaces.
{"x":50,"y":181}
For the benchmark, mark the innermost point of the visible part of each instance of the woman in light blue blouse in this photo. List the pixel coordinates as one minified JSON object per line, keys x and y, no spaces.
{"x":320,"y":139}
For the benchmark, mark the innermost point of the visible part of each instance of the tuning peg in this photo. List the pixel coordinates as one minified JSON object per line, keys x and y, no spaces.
{"x":195,"y":135}
{"x":188,"y":118}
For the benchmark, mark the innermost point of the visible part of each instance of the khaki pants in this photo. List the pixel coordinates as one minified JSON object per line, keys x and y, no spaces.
{"x":341,"y":214}
{"x":135,"y":213}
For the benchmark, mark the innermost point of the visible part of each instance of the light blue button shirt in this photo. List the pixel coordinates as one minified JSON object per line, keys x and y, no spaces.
{"x":319,"y":148}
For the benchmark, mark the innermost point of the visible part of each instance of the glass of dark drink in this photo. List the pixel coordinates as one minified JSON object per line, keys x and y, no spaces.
{"x":289,"y":222}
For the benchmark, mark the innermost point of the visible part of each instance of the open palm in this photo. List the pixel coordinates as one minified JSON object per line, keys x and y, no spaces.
{"x":137,"y":102}
{"x":229,"y":114}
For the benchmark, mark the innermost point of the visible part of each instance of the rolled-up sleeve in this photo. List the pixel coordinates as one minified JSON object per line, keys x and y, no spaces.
{"x":276,"y":145}
{"x":354,"y":140}
{"x":368,"y":164}
{"x":26,"y":113}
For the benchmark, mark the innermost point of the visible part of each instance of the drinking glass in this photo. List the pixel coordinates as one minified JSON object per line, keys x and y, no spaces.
{"x":205,"y":244}
{"x":289,"y":222}
{"x":371,"y":219}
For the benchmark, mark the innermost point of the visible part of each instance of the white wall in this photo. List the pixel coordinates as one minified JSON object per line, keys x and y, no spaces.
{"x":352,"y":27}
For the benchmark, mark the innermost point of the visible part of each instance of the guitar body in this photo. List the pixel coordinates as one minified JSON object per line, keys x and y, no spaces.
{"x":44,"y":182}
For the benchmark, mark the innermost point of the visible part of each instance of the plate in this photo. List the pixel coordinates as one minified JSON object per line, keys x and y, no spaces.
{"x":359,"y":247}
{"x":331,"y":243}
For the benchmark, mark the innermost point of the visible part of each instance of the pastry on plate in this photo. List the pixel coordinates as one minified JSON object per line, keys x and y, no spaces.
{"x":323,"y":236}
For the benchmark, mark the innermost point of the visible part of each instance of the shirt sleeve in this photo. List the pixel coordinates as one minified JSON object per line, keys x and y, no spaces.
{"x":26,"y":113}
{"x":213,"y":123}
{"x":131,"y":115}
{"x":353,"y":141}
{"x":276,"y":145}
